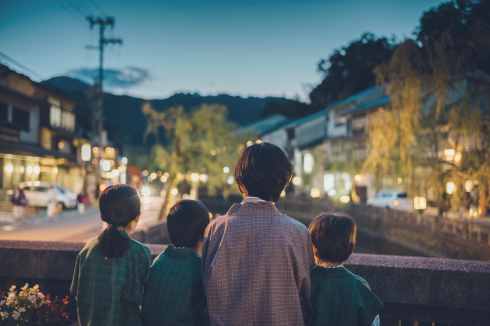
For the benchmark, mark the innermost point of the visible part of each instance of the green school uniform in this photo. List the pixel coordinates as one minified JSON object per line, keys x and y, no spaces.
{"x":174,"y":295}
{"x":109,"y":292}
{"x":340,"y":297}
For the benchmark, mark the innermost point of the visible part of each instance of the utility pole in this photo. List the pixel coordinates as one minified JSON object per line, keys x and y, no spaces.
{"x":98,"y":118}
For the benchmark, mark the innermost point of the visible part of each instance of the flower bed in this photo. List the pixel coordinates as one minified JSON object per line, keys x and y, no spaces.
{"x":30,"y":307}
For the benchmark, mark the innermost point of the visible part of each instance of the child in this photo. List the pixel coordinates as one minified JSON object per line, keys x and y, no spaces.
{"x":174,"y":294}
{"x":338,"y":296}
{"x":255,"y":260}
{"x":112,"y":269}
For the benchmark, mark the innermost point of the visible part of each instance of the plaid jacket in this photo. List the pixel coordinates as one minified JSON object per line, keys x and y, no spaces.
{"x":109,"y":292}
{"x":255,"y":267}
{"x":342,"y":298}
{"x":174,"y":294}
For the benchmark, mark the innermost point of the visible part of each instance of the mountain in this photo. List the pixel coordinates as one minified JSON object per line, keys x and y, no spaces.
{"x":124,"y":121}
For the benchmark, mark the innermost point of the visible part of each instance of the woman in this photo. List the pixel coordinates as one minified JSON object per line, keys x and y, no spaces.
{"x":19,"y":201}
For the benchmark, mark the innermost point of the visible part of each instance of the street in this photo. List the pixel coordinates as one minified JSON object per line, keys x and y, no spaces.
{"x":69,"y":227}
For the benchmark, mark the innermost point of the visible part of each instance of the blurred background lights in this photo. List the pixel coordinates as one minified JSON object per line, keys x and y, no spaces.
{"x":29,"y":169}
{"x":10,"y":168}
{"x":357,"y":177}
{"x":145,"y":173}
{"x":332,"y":192}
{"x":86,"y":152}
{"x":37,"y":169}
{"x":163,"y":178}
{"x":296,"y":181}
{"x":450,"y":187}
{"x":230,"y":180}
{"x":203,"y":177}
{"x":345,"y":199}
{"x":124,"y":160}
{"x":153,"y":175}
{"x":226,"y":169}
{"x":174,"y":191}
{"x":315,"y":192}
{"x":195,"y":177}
{"x":146,"y":191}
{"x":283,"y":194}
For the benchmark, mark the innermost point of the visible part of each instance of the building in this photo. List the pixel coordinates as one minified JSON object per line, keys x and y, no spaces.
{"x":37,"y":134}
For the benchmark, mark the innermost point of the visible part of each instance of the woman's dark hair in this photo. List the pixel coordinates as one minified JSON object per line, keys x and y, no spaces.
{"x":186,"y":222}
{"x":264,"y":170}
{"x":334,"y":236}
{"x":119,"y":205}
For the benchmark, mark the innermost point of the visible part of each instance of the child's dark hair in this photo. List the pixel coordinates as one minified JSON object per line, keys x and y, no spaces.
{"x":264,"y":170}
{"x":119,"y":205}
{"x":334,"y":236}
{"x":186,"y":222}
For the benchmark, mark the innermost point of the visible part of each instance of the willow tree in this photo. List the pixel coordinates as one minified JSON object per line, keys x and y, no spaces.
{"x":202,"y":141}
{"x":438,"y":99}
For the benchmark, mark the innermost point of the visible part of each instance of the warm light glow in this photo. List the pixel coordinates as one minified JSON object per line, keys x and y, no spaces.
{"x":37,"y":183}
{"x":21,"y":169}
{"x":332,"y":192}
{"x":308,"y":163}
{"x":345,"y":199}
{"x":400,"y":180}
{"x":468,"y":186}
{"x":357,"y":177}
{"x":124,"y":160}
{"x":10,"y":168}
{"x":61,"y":144}
{"x":259,"y":141}
{"x":55,"y":170}
{"x":115,"y":172}
{"x":29,"y":169}
{"x":180,"y":176}
{"x":419,"y":202}
{"x":159,"y":173}
{"x":153,"y":175}
{"x":315,"y":192}
{"x":86,"y":152}
{"x":195,"y":177}
{"x":37,"y":169}
{"x":174,"y":191}
{"x":146,"y":200}
{"x":203,"y":177}
{"x":95,"y":149}
{"x":283,"y":194}
{"x":449,"y":152}
{"x":103,"y":187}
{"x":145,"y":173}
{"x":230,"y":180}
{"x":296,"y":181}
{"x":163,"y":178}
{"x":213,"y":152}
{"x":450,"y":188}
{"x":226,"y":169}
{"x":146,"y":191}
{"x":396,"y":203}
{"x":249,"y":143}
{"x":166,"y":174}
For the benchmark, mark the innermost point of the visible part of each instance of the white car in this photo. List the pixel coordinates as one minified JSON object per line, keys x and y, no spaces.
{"x":37,"y":194}
{"x":391,"y":199}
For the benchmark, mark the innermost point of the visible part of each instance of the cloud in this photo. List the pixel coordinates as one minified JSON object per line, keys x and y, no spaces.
{"x":113,"y":78}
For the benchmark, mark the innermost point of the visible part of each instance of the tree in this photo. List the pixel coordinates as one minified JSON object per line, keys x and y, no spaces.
{"x":287,"y":107}
{"x":350,"y":70}
{"x":201,"y":142}
{"x":437,"y":100}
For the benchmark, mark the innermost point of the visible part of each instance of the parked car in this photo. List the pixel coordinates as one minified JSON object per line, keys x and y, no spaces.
{"x":37,"y":194}
{"x":391,"y":199}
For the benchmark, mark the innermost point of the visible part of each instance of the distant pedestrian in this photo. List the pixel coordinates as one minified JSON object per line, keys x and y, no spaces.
{"x":52,"y":202}
{"x":112,"y":269}
{"x":20,"y":202}
{"x":82,"y":200}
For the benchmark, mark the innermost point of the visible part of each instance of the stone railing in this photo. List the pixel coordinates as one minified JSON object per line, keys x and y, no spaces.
{"x":422,"y":290}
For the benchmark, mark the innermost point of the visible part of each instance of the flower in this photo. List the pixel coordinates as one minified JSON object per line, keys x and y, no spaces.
{"x":40,"y":295}
{"x":2,"y":302}
{"x":12,"y":288}
{"x":25,"y":286}
{"x":22,"y":309}
{"x":36,"y":287}
{"x":4,"y":314}
{"x":16,"y":314}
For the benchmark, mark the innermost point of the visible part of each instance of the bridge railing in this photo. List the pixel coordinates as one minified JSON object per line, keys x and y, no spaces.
{"x":413,"y":289}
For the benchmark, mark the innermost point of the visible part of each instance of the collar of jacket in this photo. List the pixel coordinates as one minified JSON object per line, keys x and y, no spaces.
{"x":261,"y":208}
{"x":179,"y":252}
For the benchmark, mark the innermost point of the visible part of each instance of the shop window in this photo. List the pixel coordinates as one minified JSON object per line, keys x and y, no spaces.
{"x":20,"y":118}
{"x":68,"y":120}
{"x":55,"y":116}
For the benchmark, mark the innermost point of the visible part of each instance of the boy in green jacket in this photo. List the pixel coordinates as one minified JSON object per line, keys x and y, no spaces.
{"x":174,"y":295}
{"x":338,"y":296}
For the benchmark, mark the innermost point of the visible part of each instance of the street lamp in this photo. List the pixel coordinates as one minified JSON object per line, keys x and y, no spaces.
{"x":296,"y":181}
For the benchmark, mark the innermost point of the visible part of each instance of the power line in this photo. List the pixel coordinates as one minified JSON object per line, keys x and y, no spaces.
{"x":97,"y":7}
{"x":72,"y":12}
{"x":18,"y":64}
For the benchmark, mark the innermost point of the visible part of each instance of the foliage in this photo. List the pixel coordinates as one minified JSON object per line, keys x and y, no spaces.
{"x":202,"y":141}
{"x":287,"y":107}
{"x":438,"y":101}
{"x":31,"y":307}
{"x":350,"y":69}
